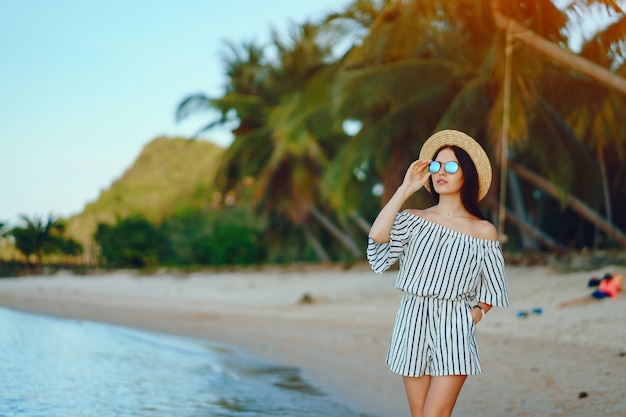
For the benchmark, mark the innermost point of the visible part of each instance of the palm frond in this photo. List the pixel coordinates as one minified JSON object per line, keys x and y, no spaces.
{"x":558,"y":154}
{"x":381,"y":134}
{"x":608,"y":46}
{"x":469,"y":109}
{"x":378,"y":88}
{"x":193,"y":104}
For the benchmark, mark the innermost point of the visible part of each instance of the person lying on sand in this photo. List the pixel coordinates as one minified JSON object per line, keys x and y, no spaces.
{"x":607,"y":288}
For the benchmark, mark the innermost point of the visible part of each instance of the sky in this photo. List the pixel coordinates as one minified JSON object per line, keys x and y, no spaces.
{"x":84,"y":85}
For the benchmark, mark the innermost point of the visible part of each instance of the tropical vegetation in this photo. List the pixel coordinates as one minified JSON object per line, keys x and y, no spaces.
{"x":38,"y":237}
{"x":326,"y":117}
{"x":502,"y":71}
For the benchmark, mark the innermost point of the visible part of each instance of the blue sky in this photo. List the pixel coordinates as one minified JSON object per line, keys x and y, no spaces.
{"x":84,"y":85}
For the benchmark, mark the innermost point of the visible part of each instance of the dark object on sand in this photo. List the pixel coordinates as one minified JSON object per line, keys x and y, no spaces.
{"x":306,"y":298}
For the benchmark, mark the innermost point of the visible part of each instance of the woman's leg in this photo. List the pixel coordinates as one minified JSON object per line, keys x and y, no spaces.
{"x":433,"y":396}
{"x":416,"y":390}
{"x":442,"y":395}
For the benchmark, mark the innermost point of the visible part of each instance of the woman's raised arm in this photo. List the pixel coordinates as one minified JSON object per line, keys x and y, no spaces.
{"x":414,"y":179}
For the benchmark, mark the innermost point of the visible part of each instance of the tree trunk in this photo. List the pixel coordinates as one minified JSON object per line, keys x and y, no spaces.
{"x":553,"y":51}
{"x":504,"y":137}
{"x":605,"y":186}
{"x":572,"y":202}
{"x":342,"y":237}
{"x":316,"y":245}
{"x":528,"y":229}
{"x":39,"y":260}
{"x":606,"y":194}
{"x":518,"y":207}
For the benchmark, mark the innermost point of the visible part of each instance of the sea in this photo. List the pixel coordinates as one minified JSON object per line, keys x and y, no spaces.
{"x":52,"y":367}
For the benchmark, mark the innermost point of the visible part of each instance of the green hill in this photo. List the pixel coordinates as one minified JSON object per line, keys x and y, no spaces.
{"x":170,"y":173}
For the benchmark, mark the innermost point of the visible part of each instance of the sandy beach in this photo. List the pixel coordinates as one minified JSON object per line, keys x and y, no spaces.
{"x":552,"y":362}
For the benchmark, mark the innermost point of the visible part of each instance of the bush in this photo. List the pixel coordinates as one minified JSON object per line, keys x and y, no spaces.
{"x":225,"y":237}
{"x":13,"y":268}
{"x":133,"y":242}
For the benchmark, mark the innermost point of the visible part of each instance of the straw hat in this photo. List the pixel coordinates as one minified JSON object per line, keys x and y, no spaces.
{"x":469,"y":145}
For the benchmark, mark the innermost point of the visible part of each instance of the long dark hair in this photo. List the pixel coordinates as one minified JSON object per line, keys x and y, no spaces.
{"x":469,"y":189}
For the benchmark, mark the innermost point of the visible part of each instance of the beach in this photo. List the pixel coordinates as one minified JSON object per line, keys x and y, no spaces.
{"x":335,"y":325}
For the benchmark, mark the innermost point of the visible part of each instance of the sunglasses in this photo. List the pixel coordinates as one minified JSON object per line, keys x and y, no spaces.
{"x":451,"y":167}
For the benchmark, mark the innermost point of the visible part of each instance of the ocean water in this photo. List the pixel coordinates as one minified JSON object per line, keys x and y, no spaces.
{"x":53,"y":367}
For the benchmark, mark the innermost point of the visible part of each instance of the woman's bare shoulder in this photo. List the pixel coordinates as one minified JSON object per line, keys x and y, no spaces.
{"x":484,"y":229}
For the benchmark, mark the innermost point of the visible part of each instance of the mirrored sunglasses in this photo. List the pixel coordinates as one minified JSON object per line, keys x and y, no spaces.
{"x":451,"y":167}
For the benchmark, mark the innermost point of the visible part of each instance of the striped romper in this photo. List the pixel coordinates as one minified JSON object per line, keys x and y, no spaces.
{"x":443,"y":273}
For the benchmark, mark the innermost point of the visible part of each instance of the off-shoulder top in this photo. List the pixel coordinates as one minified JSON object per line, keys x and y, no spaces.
{"x":439,"y":262}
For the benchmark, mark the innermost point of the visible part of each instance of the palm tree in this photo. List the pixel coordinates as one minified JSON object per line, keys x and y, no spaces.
{"x":600,"y":123}
{"x":3,"y":234}
{"x":38,"y":237}
{"x":450,"y":73}
{"x":285,"y":135}
{"x":592,"y":111}
{"x":303,"y":137}
{"x":426,"y":66}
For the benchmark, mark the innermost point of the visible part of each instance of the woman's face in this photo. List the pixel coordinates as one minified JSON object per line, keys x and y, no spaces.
{"x":443,"y":182}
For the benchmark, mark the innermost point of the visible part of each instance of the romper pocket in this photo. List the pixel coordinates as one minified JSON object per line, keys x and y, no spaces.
{"x":469,"y":314}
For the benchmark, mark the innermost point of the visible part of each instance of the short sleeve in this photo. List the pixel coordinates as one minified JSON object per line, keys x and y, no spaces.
{"x":492,"y":288}
{"x":382,"y":255}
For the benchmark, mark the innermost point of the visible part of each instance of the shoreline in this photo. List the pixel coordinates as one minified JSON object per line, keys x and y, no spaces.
{"x":537,"y":365}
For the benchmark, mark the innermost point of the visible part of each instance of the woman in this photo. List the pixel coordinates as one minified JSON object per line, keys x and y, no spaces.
{"x":451,"y":270}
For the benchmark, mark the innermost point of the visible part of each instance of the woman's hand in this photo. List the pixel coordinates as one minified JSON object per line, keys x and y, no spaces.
{"x":477,"y":315}
{"x":416,"y":175}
